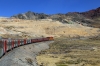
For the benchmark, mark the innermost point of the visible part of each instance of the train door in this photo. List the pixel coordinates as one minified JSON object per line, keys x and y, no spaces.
{"x":1,"y":48}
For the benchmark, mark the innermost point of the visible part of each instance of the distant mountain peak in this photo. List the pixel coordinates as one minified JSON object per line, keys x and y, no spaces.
{"x":94,"y":13}
{"x":88,"y":17}
{"x":31,"y":15}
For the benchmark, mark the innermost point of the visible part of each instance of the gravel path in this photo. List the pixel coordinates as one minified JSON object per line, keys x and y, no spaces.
{"x":24,"y":55}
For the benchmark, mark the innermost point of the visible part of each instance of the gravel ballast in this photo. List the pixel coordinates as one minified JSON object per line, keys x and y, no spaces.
{"x":24,"y":55}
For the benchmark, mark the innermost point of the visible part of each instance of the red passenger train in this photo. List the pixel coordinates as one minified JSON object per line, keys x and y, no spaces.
{"x":9,"y":44}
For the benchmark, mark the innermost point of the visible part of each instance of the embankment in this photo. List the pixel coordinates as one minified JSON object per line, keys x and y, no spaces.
{"x":24,"y":55}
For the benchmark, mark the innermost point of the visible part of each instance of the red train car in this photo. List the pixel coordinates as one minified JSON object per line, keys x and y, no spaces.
{"x":8,"y":44}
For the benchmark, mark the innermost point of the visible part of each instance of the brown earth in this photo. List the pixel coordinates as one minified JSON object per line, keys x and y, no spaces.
{"x":17,"y":28}
{"x":42,"y":28}
{"x":71,"y":52}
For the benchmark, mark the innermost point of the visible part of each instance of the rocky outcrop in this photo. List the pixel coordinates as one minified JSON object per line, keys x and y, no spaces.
{"x":31,"y":15}
{"x":95,"y":13}
{"x":88,"y":18}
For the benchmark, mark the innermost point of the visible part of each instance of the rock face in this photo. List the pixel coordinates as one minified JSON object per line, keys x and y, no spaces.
{"x":31,"y":15}
{"x":95,"y":13}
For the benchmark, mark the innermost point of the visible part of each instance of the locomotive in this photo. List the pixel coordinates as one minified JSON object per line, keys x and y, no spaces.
{"x":9,"y":44}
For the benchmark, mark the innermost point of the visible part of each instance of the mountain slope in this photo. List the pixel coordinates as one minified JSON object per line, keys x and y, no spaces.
{"x":88,"y":18}
{"x":38,"y":28}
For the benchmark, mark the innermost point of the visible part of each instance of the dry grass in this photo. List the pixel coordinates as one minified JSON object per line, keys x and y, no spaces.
{"x":38,"y":28}
{"x":66,"y":52}
{"x":29,"y":60}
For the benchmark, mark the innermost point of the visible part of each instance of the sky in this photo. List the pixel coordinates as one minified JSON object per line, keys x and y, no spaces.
{"x":12,"y":7}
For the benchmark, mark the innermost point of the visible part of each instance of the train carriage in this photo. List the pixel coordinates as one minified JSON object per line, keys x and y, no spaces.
{"x":21,"y":42}
{"x":40,"y":40}
{"x":1,"y":48}
{"x":28,"y":41}
{"x":8,"y":44}
{"x":14,"y":43}
{"x":45,"y":39}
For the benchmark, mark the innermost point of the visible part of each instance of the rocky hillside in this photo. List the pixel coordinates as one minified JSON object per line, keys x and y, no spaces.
{"x":18,"y":28}
{"x":31,"y":15}
{"x":88,"y":18}
{"x":94,"y":13}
